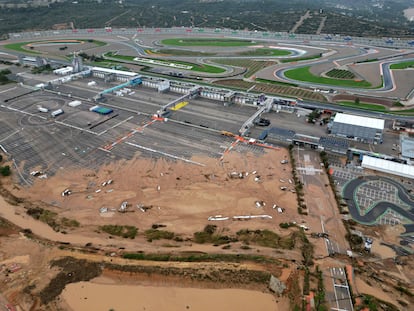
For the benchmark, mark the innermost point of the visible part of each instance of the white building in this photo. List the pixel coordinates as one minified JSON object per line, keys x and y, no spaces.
{"x":364,"y":129}
{"x":388,"y":167}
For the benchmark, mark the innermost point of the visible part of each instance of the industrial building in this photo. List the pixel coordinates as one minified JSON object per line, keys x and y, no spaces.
{"x":407,"y":147}
{"x":389,"y":167}
{"x":112,"y":75}
{"x":363,"y":129}
{"x":334,"y":144}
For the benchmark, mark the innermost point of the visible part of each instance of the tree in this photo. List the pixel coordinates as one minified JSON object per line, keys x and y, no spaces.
{"x":5,"y":170}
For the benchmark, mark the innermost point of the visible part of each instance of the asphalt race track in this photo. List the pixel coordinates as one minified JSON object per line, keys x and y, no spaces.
{"x":380,"y":207}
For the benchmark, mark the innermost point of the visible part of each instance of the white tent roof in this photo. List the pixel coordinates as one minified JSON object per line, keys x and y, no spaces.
{"x":387,"y":166}
{"x":359,"y":121}
{"x":120,"y":72}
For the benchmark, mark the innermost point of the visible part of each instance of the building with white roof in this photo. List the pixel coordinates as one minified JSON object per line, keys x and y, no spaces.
{"x":388,"y":167}
{"x":363,"y":129}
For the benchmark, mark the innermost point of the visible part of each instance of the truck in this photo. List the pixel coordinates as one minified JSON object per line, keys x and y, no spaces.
{"x":75,"y":103}
{"x":42,"y":109}
{"x":56,"y":113}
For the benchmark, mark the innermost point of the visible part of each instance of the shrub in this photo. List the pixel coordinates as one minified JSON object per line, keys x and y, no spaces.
{"x":122,"y":231}
{"x":5,"y":170}
{"x":155,"y":234}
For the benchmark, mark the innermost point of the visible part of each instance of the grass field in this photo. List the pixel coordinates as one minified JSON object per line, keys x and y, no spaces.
{"x":364,"y":106}
{"x":252,"y":66}
{"x":206,"y":42}
{"x":20,"y":46}
{"x":340,"y":74}
{"x":266,"y":52}
{"x":376,"y":107}
{"x":298,"y":59}
{"x":194,"y":67}
{"x":404,"y":65}
{"x":304,"y":74}
{"x":179,"y":52}
{"x":408,"y":112}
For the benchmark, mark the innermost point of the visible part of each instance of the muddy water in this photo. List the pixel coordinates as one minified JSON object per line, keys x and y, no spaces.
{"x":86,"y":296}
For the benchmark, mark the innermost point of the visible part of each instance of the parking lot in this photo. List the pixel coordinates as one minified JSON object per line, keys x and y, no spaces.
{"x":370,"y":193}
{"x":79,"y":137}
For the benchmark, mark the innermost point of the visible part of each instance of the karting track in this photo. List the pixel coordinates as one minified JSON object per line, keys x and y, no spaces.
{"x":380,"y":207}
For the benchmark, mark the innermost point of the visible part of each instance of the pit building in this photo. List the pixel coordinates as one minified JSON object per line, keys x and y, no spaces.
{"x":358,"y":128}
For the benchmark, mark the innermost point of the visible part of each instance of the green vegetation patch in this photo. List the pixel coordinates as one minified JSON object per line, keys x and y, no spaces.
{"x":20,"y":47}
{"x":207,"y":42}
{"x":304,"y":74}
{"x":365,"y":106}
{"x":298,"y":59}
{"x":122,"y":231}
{"x":179,"y":52}
{"x":252,"y":66}
{"x":407,"y":112}
{"x":266,"y":52}
{"x":375,"y":304}
{"x":5,"y":170}
{"x":51,"y":218}
{"x":266,"y":238}
{"x":23,"y":46}
{"x":200,"y":257}
{"x":340,"y":74}
{"x":403,"y":65}
{"x":209,"y":235}
{"x":155,"y":234}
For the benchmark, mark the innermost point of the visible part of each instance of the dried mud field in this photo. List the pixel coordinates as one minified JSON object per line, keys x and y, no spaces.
{"x":178,"y":195}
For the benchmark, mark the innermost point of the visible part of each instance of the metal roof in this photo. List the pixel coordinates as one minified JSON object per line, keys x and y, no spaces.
{"x":387,"y":166}
{"x":359,"y":121}
{"x":333,"y":142}
{"x":117,"y":72}
{"x":407,"y":147}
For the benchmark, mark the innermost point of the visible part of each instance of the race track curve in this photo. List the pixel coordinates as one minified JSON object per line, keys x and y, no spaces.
{"x":380,"y":207}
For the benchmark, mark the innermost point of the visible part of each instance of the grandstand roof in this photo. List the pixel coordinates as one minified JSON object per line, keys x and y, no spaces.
{"x":387,"y":166}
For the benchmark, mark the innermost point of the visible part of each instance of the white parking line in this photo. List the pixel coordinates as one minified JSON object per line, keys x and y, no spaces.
{"x":114,"y":126}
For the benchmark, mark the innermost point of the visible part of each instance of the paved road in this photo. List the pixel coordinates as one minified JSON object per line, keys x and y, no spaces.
{"x":388,"y":80}
{"x":379,"y":208}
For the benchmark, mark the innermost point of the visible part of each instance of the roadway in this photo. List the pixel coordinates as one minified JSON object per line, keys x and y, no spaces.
{"x":388,"y":80}
{"x":78,"y":137}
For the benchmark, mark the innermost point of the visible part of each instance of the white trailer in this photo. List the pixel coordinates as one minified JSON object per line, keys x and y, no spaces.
{"x":75,"y":103}
{"x":57,"y":113}
{"x":42,"y":109}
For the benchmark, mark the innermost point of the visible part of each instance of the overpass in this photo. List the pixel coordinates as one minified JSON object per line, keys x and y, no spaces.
{"x":267,"y":105}
{"x":192,"y":93}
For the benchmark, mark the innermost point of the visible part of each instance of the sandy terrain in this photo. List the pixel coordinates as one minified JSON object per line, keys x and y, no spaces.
{"x":92,"y":296}
{"x":179,"y":195}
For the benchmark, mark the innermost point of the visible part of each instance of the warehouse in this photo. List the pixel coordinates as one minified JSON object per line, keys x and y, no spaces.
{"x":363,"y":129}
{"x":388,"y":167}
{"x":407,"y":147}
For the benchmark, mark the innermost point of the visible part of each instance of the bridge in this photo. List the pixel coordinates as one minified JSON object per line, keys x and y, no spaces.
{"x":267,"y":105}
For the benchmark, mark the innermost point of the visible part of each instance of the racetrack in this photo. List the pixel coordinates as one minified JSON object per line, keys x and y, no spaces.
{"x":377,"y":210}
